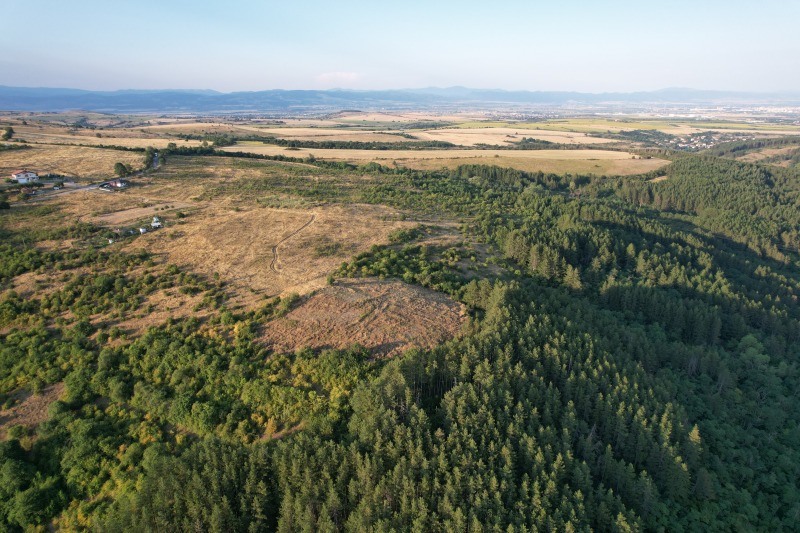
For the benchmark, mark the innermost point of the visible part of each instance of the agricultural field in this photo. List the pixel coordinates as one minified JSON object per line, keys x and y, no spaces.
{"x":561,"y":162}
{"x":73,"y":161}
{"x":505,"y":136}
{"x":58,"y":134}
{"x":558,"y":161}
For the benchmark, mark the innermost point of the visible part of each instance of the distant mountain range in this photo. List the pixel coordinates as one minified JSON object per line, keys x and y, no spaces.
{"x":200,"y":101}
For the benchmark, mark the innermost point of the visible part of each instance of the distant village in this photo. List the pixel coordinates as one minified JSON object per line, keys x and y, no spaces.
{"x":33,"y":182}
{"x":705,"y":140}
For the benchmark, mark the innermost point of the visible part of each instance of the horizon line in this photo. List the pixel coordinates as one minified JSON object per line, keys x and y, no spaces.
{"x":407,"y":89}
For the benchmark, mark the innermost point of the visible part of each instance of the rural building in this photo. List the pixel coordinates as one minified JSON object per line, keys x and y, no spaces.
{"x":24,"y":176}
{"x":156,"y":223}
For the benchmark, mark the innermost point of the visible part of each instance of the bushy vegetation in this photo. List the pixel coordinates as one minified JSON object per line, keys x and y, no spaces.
{"x":623,"y":368}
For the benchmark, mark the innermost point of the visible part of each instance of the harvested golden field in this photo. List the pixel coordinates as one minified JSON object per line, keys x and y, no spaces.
{"x":557,"y":161}
{"x":607,"y":167}
{"x":67,"y":160}
{"x":129,"y":142}
{"x":387,"y":317}
{"x":191,"y":126}
{"x":329,"y":134}
{"x":473,"y":136}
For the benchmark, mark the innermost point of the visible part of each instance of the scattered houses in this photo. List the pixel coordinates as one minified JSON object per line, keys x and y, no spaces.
{"x":24,"y":177}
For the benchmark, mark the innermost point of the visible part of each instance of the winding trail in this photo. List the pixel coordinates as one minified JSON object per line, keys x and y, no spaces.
{"x":292,"y":234}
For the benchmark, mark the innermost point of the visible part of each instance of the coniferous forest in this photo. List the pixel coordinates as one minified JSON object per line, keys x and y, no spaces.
{"x":629,"y":363}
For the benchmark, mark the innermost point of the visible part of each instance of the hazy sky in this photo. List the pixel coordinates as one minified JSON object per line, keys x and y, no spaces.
{"x":582,"y":45}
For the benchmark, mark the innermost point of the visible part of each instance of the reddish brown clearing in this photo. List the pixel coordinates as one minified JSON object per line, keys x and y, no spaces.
{"x":387,"y":317}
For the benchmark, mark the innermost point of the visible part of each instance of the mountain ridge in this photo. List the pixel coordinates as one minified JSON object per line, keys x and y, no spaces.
{"x":281,"y":100}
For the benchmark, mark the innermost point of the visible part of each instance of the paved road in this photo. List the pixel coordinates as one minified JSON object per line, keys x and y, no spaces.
{"x":66,"y":190}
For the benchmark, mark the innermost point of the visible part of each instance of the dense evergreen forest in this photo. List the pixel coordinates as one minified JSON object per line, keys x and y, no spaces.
{"x":631,"y":364}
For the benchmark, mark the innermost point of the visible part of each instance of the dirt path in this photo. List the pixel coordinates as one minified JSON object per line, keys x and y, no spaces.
{"x":275,"y":248}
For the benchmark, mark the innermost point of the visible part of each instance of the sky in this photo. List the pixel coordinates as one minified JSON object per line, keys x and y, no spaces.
{"x":573,"y":45}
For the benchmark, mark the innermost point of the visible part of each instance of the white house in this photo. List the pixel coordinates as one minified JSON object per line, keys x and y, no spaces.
{"x":24,"y":176}
{"x":156,"y":223}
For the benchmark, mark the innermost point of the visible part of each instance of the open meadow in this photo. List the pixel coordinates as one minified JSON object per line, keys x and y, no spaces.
{"x":73,"y":161}
{"x":557,"y":161}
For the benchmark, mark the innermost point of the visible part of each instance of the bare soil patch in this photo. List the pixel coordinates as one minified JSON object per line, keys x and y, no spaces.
{"x":30,"y":410}
{"x":387,"y":317}
{"x":658,"y":179}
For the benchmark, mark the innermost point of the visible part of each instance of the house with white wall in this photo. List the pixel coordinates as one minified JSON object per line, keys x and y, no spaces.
{"x":23,"y":177}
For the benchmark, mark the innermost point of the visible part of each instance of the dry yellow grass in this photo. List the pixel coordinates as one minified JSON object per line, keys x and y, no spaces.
{"x":328,"y":134}
{"x":238,"y":245}
{"x":557,"y":161}
{"x":752,"y":157}
{"x":31,"y":409}
{"x":130,"y":142}
{"x":607,"y":167}
{"x":373,"y":155}
{"x":473,"y":136}
{"x":189,"y":126}
{"x":163,"y":305}
{"x":230,"y":235}
{"x":67,"y":160}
